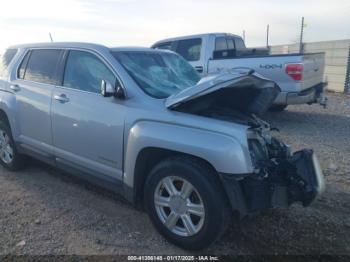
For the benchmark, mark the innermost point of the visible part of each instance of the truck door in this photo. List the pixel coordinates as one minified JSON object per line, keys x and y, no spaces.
{"x":191,"y":50}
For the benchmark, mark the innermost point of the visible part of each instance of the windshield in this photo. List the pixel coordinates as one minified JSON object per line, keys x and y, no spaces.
{"x":158,"y":74}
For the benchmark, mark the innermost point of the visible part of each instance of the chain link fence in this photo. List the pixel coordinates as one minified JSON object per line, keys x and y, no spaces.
{"x":347,"y":79}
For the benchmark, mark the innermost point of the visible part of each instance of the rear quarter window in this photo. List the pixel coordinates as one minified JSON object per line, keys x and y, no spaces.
{"x":5,"y":60}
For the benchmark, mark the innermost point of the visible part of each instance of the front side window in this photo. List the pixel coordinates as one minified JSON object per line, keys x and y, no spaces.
{"x":42,"y":66}
{"x":85,"y":71}
{"x":159,"y":74}
{"x":6,"y":59}
{"x":190,"y":49}
{"x":230,"y":43}
{"x":220,"y":44}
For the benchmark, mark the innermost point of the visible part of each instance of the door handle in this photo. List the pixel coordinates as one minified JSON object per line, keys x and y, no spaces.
{"x":199,"y":69}
{"x":15,"y":88}
{"x":61,"y":98}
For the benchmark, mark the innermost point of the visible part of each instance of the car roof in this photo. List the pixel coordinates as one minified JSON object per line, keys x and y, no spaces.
{"x":137,"y":49}
{"x":217,"y":34}
{"x":84,"y":45}
{"x":60,"y":45}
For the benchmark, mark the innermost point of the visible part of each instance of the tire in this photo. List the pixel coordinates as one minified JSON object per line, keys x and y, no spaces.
{"x":9,"y":156}
{"x":277,"y":108}
{"x":207,"y":194}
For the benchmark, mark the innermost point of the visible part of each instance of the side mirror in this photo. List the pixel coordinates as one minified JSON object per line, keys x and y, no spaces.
{"x":107,"y":90}
{"x":119,"y":92}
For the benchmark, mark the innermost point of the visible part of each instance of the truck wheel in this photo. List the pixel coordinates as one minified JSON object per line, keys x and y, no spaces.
{"x":186,"y":202}
{"x":9,"y":157}
{"x":277,"y":108}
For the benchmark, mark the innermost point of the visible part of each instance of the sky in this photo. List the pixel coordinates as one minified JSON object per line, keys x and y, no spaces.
{"x":143,"y":22}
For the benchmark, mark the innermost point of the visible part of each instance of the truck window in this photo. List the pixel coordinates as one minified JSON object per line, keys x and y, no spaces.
{"x":224,"y":48}
{"x":230,"y":43}
{"x":42,"y":66}
{"x":220,"y":44}
{"x":239,"y":44}
{"x":164,"y":46}
{"x":85,"y":71}
{"x":6,"y":59}
{"x":190,"y":49}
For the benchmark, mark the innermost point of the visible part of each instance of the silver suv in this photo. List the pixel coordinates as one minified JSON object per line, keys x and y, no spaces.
{"x":142,"y":122}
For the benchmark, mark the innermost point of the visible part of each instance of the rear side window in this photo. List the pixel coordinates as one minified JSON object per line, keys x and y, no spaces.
{"x":190,"y":49}
{"x":6,"y":59}
{"x":42,"y":66}
{"x":164,"y":46}
{"x":239,"y":44}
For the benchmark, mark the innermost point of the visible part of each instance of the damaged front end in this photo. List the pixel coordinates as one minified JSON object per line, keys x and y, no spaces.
{"x":280,"y":178}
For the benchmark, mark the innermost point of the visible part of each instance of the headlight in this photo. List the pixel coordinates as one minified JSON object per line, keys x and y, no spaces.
{"x":258,"y":152}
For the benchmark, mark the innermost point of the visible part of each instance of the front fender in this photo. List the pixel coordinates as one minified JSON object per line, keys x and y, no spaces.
{"x":223,"y":152}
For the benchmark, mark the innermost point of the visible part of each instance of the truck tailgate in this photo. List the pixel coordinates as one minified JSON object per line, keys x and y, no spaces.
{"x":313,"y":70}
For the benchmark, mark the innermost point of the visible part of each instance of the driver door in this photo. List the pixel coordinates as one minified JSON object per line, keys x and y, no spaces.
{"x":87,"y":127}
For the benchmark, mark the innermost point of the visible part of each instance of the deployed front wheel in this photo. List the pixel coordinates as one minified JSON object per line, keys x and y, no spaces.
{"x":186,"y":203}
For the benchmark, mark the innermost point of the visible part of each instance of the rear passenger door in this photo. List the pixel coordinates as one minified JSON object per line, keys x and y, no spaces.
{"x":87,"y":127}
{"x":36,"y":79}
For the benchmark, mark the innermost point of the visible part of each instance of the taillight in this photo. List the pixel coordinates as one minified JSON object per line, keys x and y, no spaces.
{"x":295,"y":71}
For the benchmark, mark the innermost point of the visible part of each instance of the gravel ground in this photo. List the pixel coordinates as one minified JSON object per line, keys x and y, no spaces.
{"x":43,"y":211}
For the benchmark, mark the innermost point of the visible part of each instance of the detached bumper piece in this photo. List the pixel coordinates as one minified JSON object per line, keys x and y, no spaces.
{"x":297,"y":178}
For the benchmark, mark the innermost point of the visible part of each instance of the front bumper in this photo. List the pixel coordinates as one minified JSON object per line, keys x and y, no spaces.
{"x":296,"y":179}
{"x":311,"y":95}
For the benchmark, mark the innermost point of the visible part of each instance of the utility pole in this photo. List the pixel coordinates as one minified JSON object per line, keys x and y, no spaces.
{"x":301,"y":48}
{"x":244,"y":35}
{"x":50,"y":37}
{"x":267,"y":35}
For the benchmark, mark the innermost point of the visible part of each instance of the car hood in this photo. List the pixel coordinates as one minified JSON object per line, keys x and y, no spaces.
{"x":248,"y":92}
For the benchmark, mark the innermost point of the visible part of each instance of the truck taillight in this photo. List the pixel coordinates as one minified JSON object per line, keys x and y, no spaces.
{"x":295,"y":71}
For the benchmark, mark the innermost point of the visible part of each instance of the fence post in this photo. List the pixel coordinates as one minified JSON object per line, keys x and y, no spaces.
{"x":347,"y":77}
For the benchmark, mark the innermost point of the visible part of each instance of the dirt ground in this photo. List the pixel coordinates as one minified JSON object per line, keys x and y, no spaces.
{"x":43,"y":211}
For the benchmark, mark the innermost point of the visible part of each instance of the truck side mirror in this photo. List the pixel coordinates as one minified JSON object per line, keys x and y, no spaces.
{"x":107,"y":89}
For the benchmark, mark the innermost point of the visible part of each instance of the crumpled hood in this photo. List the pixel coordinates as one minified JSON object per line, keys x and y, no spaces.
{"x":249,"y":91}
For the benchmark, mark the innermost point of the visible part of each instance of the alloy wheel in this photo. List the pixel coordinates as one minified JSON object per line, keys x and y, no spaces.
{"x":179,"y":206}
{"x":6,"y":150}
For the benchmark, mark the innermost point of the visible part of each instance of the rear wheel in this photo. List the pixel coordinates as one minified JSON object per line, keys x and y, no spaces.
{"x":185,"y":202}
{"x":9,"y":157}
{"x":277,"y":108}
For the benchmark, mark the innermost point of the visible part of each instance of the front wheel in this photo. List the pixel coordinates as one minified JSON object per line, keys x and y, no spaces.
{"x":186,"y":203}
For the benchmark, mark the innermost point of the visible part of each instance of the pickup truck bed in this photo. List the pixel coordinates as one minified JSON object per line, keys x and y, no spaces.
{"x":299,"y":76}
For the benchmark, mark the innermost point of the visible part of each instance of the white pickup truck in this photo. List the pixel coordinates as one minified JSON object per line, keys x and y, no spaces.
{"x":299,"y":76}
